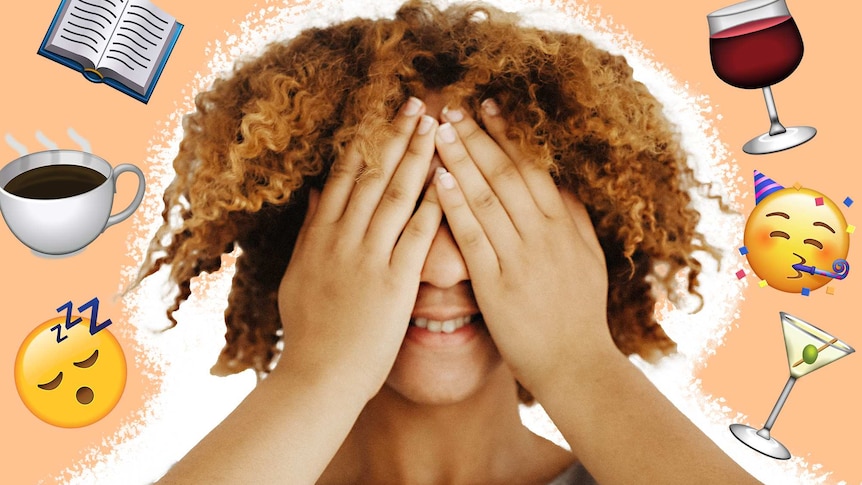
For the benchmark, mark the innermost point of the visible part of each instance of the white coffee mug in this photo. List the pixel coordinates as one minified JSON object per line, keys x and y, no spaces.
{"x":64,"y":225}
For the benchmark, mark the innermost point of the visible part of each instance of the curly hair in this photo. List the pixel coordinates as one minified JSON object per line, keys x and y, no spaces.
{"x":264,"y":134}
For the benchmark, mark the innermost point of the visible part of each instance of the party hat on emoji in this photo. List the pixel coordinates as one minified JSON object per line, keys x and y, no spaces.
{"x":764,"y":186}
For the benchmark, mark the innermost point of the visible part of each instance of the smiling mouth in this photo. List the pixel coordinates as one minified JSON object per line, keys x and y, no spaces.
{"x":445,"y":326}
{"x":798,"y":273}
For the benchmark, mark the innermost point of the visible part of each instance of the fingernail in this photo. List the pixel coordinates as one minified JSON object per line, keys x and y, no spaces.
{"x":447,"y":133}
{"x":453,"y":115}
{"x":490,"y":107}
{"x":425,"y":124}
{"x":446,"y":178}
{"x":413,"y":106}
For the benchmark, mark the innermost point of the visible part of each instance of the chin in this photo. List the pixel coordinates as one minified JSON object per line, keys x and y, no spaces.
{"x":435,"y":378}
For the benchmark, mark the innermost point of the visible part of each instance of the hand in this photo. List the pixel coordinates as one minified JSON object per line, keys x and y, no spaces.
{"x":536,"y":266}
{"x":347,"y":295}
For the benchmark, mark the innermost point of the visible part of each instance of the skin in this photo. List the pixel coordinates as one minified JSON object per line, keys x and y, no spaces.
{"x":358,"y":397}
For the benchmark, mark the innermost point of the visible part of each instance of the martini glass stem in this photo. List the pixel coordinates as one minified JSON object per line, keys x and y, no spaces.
{"x":775,"y":126}
{"x":770,"y":421}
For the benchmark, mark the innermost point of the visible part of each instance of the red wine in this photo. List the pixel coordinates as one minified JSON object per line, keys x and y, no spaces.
{"x":757,"y":54}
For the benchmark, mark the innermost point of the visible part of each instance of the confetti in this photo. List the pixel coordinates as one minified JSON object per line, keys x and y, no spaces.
{"x":806,"y":291}
{"x":740,"y":274}
{"x":743,"y":250}
{"x":818,"y":201}
{"x":830,"y":290}
{"x":848,"y":201}
{"x":850,"y":228}
{"x":763,"y":283}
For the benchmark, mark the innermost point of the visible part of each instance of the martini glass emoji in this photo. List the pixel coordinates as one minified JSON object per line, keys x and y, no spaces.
{"x":808,"y":349}
{"x":753,"y":45}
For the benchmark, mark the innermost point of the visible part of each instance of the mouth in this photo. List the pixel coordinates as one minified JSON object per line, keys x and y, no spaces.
{"x":798,"y":273}
{"x":445,"y":326}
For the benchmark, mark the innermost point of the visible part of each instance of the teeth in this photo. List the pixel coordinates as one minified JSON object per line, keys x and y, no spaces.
{"x":446,"y":326}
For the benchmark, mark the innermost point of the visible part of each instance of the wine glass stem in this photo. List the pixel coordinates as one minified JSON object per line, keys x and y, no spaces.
{"x":775,"y":126}
{"x":770,"y":421}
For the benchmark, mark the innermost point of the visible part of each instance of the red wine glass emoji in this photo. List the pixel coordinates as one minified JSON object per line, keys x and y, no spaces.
{"x":754,"y":45}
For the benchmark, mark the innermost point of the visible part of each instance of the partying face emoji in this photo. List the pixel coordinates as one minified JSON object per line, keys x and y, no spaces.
{"x":68,"y":377}
{"x":796,"y":238}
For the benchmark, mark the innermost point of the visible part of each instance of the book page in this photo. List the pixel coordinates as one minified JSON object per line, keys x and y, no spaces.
{"x":136,"y":47}
{"x":84,"y":29}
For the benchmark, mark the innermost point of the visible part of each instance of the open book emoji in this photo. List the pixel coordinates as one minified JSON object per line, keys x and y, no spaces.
{"x":122,"y":43}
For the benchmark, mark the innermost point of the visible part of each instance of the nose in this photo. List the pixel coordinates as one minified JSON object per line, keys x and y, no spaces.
{"x":444,"y":265}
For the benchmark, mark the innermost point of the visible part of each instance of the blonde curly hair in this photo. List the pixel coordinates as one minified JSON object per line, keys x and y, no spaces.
{"x":263,"y":135}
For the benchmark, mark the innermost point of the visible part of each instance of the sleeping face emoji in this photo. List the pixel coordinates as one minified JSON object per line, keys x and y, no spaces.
{"x":795,"y":238}
{"x":69,"y":378}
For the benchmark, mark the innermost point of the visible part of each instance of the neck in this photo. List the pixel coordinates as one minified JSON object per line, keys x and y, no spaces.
{"x":479,"y":439}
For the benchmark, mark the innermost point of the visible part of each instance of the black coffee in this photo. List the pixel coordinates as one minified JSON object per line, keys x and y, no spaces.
{"x":54,"y":182}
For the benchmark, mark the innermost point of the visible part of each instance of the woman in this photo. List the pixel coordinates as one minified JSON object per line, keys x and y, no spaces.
{"x":440,"y":216}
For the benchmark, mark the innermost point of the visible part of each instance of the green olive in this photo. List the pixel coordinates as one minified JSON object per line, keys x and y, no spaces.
{"x":809,"y":354}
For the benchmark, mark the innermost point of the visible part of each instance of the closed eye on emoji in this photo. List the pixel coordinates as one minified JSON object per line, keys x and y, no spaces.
{"x":813,"y":242}
{"x":779,"y":234}
{"x":50,"y":386}
{"x":89,"y":361}
{"x":55,"y":382}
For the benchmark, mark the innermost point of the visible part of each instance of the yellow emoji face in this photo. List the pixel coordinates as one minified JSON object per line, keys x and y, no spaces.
{"x":68,"y":377}
{"x":795,"y":227}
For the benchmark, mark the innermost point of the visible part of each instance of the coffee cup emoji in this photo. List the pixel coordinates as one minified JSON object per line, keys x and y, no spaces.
{"x":57,"y":202}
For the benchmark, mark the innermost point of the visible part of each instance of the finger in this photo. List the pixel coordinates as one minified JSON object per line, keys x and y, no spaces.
{"x":480,"y":199}
{"x":584,"y":225}
{"x":479,"y":255}
{"x":539,"y":182}
{"x":307,"y":229}
{"x":340,"y":182}
{"x":369,"y":189}
{"x":497,"y":168}
{"x":310,"y":212}
{"x":412,"y":248}
{"x":405,"y":187}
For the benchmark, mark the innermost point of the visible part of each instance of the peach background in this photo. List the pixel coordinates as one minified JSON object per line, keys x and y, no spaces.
{"x":820,"y":421}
